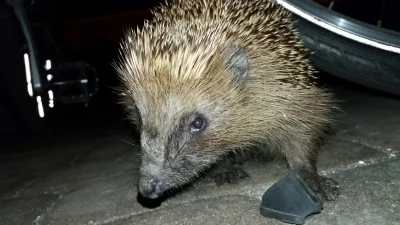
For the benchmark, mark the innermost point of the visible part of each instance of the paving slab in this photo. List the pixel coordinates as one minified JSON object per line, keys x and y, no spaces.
{"x":383,"y":135}
{"x":370,"y":195}
{"x":22,"y":168}
{"x":369,"y":119}
{"x":106,"y":159}
{"x":337,"y":155}
{"x":367,"y":198}
{"x":25,"y":210}
{"x":231,"y":209}
{"x":101,"y":199}
{"x":20,"y":173}
{"x":114,"y":196}
{"x":14,"y":186}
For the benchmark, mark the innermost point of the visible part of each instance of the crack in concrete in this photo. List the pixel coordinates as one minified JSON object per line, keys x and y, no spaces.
{"x":115,"y":218}
{"x":359,"y":164}
{"x":28,"y":184}
{"x":40,"y":217}
{"x":366,"y":144}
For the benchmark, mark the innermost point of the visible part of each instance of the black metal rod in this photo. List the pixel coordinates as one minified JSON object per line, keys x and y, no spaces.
{"x":381,"y":12}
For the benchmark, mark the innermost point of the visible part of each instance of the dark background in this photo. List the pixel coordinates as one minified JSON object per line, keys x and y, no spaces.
{"x":90,"y":30}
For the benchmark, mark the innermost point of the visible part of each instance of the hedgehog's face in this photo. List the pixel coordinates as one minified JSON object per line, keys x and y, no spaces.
{"x":185,"y":127}
{"x":174,"y":153}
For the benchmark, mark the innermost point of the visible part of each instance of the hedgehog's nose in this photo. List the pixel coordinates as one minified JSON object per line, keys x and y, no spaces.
{"x":150,"y":188}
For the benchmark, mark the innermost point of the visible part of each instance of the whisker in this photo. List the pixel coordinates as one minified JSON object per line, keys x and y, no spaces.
{"x":113,"y":134}
{"x":121,"y":139}
{"x":92,"y":118}
{"x":181,"y":149}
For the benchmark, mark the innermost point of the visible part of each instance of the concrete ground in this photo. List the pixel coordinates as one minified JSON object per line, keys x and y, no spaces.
{"x":90,"y":179}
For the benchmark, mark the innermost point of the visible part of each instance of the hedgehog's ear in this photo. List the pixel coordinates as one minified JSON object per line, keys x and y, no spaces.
{"x":235,"y":59}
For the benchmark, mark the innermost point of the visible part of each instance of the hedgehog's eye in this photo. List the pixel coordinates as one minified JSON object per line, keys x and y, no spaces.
{"x":197,"y":124}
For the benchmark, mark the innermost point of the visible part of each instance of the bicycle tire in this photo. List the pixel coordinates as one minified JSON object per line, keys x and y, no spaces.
{"x":351,"y":60}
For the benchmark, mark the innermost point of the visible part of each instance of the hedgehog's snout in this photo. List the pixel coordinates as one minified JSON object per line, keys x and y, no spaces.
{"x":150,"y":187}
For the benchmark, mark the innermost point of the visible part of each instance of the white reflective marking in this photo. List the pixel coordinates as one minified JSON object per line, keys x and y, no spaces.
{"x":51,"y":98}
{"x":40,"y":106}
{"x":51,"y":94}
{"x":27,"y":68}
{"x":49,"y":77}
{"x":48,"y":64}
{"x":28,"y":74}
{"x":30,"y":89}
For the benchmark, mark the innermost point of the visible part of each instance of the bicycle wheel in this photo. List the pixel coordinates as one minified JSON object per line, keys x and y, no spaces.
{"x":348,"y":48}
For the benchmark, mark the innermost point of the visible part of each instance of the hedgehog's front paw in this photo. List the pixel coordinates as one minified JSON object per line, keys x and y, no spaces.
{"x":227,"y":172}
{"x":325,"y":188}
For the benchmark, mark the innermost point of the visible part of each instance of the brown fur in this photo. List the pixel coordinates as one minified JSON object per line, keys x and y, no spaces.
{"x":174,"y":65}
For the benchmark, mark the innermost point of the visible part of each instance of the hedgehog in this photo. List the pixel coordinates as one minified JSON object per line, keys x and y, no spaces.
{"x":203,"y":79}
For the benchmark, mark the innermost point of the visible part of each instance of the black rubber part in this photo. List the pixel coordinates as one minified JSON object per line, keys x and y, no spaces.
{"x":348,"y":59}
{"x":290,"y":200}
